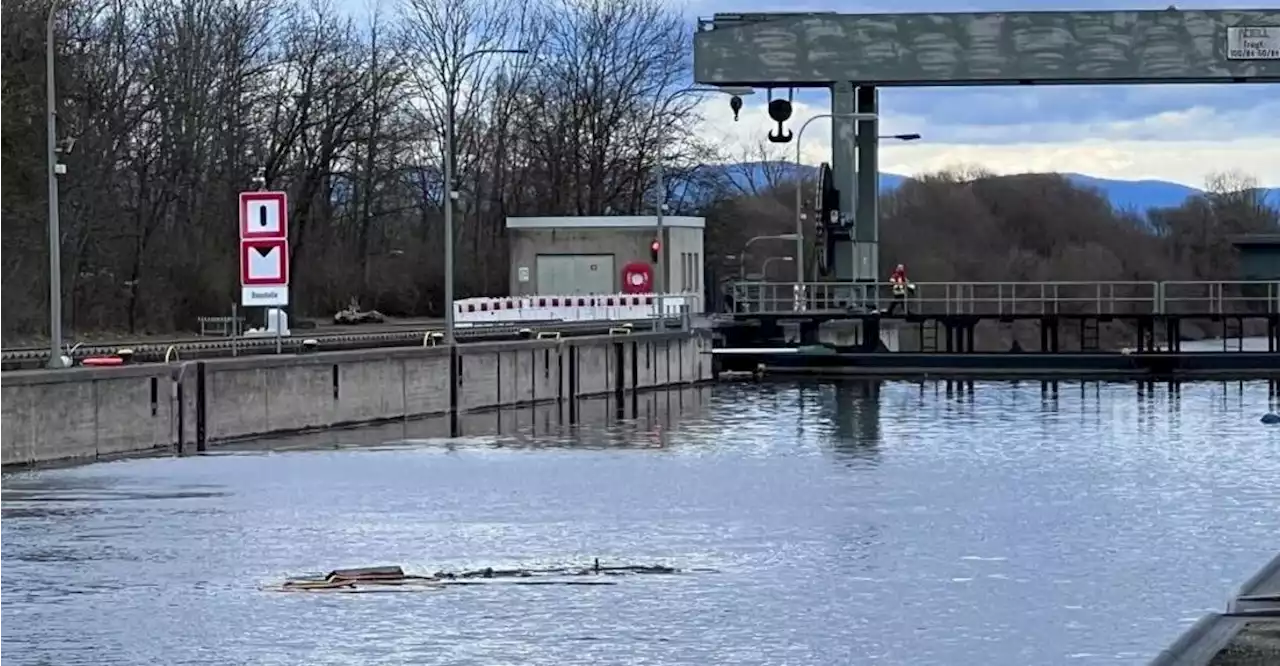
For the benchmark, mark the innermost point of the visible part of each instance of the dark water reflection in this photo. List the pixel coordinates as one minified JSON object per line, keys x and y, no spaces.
{"x":896,"y":523}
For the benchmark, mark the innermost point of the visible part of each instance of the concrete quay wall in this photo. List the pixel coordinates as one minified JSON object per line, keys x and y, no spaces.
{"x":86,"y":413}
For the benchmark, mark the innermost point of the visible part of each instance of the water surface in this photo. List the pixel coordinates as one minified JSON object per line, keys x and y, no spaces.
{"x":896,"y":523}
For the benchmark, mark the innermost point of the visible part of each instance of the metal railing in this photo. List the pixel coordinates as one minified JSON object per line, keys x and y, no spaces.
{"x":1246,"y":298}
{"x":1240,"y":297}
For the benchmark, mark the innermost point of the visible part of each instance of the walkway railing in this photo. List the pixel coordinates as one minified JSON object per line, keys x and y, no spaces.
{"x":1010,"y":298}
{"x":574,"y":307}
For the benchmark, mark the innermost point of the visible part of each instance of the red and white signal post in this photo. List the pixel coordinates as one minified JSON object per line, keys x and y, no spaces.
{"x":264,"y":249}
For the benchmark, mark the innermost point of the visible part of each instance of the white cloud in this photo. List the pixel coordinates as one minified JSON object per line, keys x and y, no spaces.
{"x":1181,"y":146}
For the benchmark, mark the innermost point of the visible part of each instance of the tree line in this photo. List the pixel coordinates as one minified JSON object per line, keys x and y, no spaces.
{"x":966,"y":224}
{"x":176,"y":106}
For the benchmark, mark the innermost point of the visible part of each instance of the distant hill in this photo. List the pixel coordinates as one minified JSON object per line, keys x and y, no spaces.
{"x":1135,"y":195}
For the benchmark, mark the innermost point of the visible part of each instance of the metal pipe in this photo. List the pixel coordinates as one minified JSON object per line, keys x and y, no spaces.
{"x":55,"y":234}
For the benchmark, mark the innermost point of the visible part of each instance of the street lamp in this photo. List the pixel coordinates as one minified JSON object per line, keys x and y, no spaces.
{"x":764,"y":267}
{"x":55,"y":235}
{"x":742,"y":256}
{"x":449,"y":194}
{"x":659,"y":270}
{"x":799,"y":202}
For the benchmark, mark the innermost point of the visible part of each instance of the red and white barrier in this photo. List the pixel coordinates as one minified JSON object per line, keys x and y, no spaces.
{"x":608,"y":307}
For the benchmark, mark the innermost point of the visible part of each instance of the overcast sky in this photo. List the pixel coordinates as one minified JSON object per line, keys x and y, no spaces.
{"x":1175,"y":133}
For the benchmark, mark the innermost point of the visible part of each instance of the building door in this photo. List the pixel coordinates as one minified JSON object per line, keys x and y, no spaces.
{"x":565,"y":274}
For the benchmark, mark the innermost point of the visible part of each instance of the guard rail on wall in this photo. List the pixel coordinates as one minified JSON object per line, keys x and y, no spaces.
{"x":606,"y":307}
{"x":1014,"y":298}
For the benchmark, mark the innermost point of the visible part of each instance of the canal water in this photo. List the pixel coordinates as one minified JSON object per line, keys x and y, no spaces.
{"x":894,"y":523}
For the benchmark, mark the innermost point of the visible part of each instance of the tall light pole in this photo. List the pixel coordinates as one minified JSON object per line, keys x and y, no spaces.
{"x":450,"y":102}
{"x":799,"y":201}
{"x":55,"y":235}
{"x":659,"y":271}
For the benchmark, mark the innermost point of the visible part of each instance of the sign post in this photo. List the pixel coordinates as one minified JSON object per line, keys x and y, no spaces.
{"x":264,"y":253}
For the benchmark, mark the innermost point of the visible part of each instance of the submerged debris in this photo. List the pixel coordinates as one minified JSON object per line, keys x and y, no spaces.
{"x":389,"y":578}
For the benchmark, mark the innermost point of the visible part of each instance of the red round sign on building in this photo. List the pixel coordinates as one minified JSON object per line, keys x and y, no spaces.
{"x":637,"y":278}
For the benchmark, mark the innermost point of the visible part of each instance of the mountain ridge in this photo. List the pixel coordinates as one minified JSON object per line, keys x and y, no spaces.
{"x":1132,"y":195}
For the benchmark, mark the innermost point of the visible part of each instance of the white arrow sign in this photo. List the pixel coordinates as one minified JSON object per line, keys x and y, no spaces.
{"x":263,"y":215}
{"x":264,"y":262}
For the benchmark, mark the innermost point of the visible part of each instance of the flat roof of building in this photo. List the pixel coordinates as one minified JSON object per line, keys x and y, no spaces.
{"x":606,"y":222}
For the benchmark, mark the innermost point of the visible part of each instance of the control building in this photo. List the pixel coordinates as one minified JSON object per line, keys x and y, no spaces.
{"x":1259,"y":256}
{"x":604,"y":255}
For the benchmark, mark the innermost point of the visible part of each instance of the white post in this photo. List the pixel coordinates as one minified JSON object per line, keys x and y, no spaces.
{"x":448,"y":213}
{"x":55,"y":235}
{"x":659,"y":278}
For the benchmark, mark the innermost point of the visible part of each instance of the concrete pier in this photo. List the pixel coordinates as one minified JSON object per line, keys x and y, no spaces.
{"x":88,"y":413}
{"x":1247,"y":634}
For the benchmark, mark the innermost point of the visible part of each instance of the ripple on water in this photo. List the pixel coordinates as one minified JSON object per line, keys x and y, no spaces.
{"x":934,"y":523}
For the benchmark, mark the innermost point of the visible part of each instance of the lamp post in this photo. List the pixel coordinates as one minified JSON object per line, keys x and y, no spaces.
{"x":799,"y":202}
{"x":742,"y":256}
{"x":450,"y":111}
{"x":659,"y":270}
{"x":55,"y":235}
{"x":764,"y":267}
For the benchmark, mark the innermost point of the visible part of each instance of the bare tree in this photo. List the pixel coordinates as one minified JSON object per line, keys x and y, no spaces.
{"x":176,"y":104}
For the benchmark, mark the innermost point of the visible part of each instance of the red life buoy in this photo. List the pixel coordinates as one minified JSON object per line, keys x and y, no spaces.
{"x":637,"y":278}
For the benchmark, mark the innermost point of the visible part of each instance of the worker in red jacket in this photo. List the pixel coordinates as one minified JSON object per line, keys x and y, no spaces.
{"x":900,"y":285}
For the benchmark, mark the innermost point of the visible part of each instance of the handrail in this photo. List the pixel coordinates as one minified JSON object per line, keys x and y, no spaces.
{"x":1220,"y":297}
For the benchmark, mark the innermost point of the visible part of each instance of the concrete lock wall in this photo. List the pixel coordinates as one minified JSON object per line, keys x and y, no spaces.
{"x":90,"y":413}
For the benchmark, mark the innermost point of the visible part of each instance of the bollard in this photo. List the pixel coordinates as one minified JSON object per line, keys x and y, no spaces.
{"x":573,"y":384}
{"x":455,"y":381}
{"x":201,"y":413}
{"x":125,"y":355}
{"x":180,"y":406}
{"x":619,"y":377}
{"x":310,"y":346}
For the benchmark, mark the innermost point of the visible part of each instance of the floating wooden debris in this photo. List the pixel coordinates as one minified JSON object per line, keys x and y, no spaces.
{"x":350,"y":580}
{"x":393,"y":578}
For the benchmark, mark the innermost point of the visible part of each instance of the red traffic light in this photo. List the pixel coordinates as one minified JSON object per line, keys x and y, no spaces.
{"x":654,"y":248}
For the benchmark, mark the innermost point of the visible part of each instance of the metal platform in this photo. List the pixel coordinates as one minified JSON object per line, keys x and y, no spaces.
{"x":827,"y":362}
{"x":1006,"y":300}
